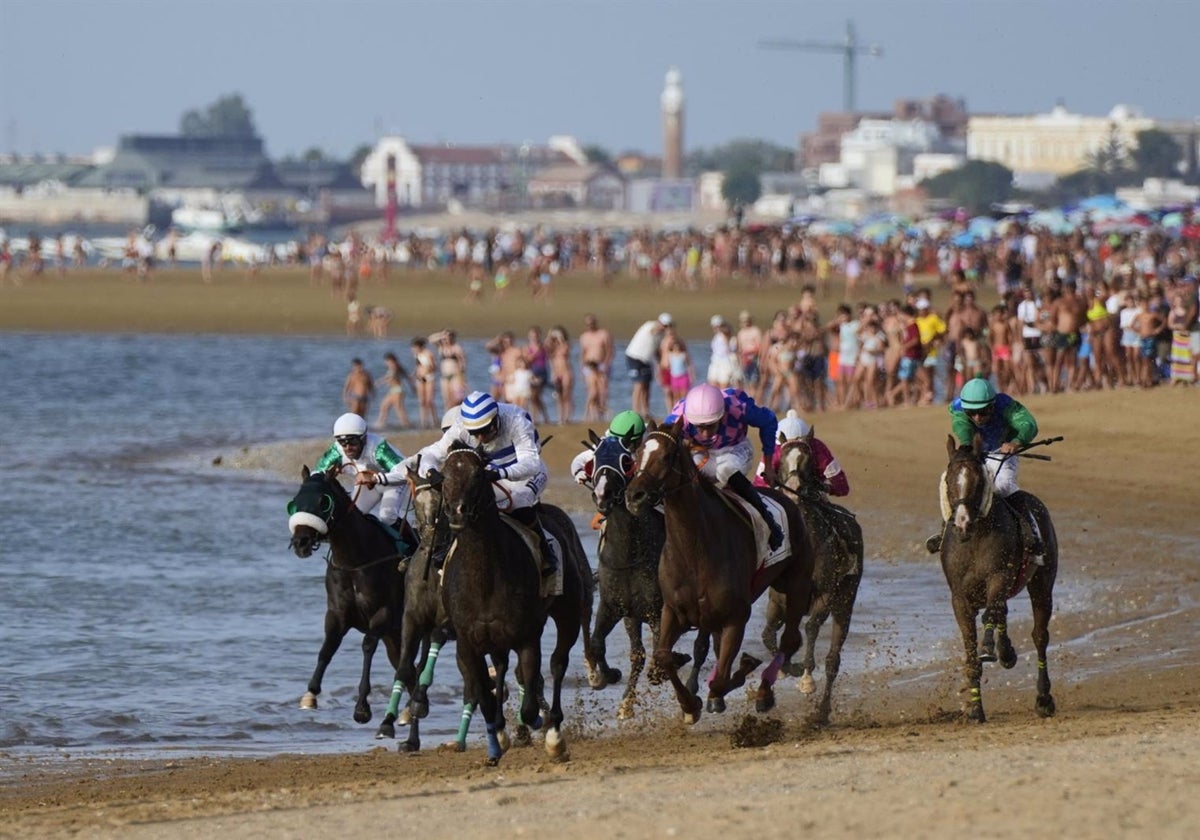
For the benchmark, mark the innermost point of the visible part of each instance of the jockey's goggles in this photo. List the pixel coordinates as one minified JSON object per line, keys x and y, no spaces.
{"x":707,"y":428}
{"x":978,"y":412}
{"x":351,"y":440}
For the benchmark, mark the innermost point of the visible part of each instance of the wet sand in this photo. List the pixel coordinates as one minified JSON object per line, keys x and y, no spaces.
{"x":1119,"y":759}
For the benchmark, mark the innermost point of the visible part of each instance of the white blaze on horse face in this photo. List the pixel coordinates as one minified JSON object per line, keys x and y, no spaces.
{"x":962,"y":517}
{"x":648,"y":448}
{"x":598,"y":489}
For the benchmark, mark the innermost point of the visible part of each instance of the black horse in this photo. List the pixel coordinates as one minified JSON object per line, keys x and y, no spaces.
{"x":426,"y":627}
{"x":630,"y":547}
{"x":837,"y":543}
{"x":492,"y":592}
{"x":364,"y":590}
{"x":985,"y":560}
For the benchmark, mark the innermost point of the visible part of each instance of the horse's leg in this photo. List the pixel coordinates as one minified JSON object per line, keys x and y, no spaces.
{"x":403,"y":680}
{"x":699,"y":655}
{"x":420,"y":696}
{"x":637,"y":661}
{"x":362,"y":705}
{"x":987,"y":647}
{"x":724,"y":679}
{"x":812,"y":628}
{"x":601,"y":675}
{"x":964,"y":614}
{"x":556,"y":746}
{"x":843,"y":609}
{"x":335,"y":631}
{"x":1041,"y":596}
{"x":774,"y":621}
{"x":475,"y":687}
{"x":670,"y":629}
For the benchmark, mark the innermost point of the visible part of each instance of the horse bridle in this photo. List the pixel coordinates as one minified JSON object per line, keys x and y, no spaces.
{"x":429,"y":530}
{"x":657,"y":497}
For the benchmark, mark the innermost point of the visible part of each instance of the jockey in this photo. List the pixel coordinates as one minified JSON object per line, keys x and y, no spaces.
{"x":627,"y":427}
{"x":1005,"y":427}
{"x":506,"y":436}
{"x":717,"y":421}
{"x":376,"y":462}
{"x":833,"y":479}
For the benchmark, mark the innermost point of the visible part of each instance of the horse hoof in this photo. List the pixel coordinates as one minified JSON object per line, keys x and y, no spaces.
{"x":765,"y":701}
{"x":362,"y":715}
{"x":691,"y":716}
{"x":505,"y":740}
{"x":452,"y":746}
{"x":405,"y":718}
{"x":408,"y":747}
{"x":716,"y":705}
{"x":556,"y":747}
{"x":1045,"y":706}
{"x":807,"y":684}
{"x":492,"y":762}
{"x":625,"y":710}
{"x":385,"y":730}
{"x":421,"y":709}
{"x":791,"y":669}
{"x":523,"y":738}
{"x":612,"y":676}
{"x":308,"y":701}
{"x":987,"y":656}
{"x":976,"y":715}
{"x":748,"y":663}
{"x":1008,"y":656}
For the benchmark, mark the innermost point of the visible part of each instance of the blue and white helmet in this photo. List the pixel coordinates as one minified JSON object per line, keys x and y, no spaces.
{"x":477,"y":411}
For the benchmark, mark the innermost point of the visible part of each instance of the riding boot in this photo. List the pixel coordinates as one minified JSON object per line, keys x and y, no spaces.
{"x":741,"y":485}
{"x":528,"y":517}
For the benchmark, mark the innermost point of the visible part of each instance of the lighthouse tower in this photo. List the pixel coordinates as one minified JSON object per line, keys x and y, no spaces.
{"x":672,"y":113}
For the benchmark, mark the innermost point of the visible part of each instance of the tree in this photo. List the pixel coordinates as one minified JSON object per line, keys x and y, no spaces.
{"x":741,"y":185}
{"x":975,"y":185}
{"x":314,"y":155}
{"x":227,"y":117}
{"x":359,"y":155}
{"x":1111,"y":158}
{"x":597,"y":154}
{"x":757,"y":155}
{"x":1157,"y":155}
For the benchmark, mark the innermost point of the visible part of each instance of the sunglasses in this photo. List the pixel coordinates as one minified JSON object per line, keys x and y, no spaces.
{"x":978,"y":412}
{"x":709,"y":428}
{"x":351,"y":440}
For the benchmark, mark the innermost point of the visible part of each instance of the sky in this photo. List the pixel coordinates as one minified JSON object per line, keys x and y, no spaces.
{"x":337,"y":74}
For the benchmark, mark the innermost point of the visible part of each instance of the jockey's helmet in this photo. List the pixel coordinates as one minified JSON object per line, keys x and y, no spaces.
{"x":628,"y":427}
{"x":349,"y":425}
{"x":977,"y":394}
{"x":792,"y":427}
{"x":703,"y":405}
{"x":477,"y":411}
{"x":450,"y":417}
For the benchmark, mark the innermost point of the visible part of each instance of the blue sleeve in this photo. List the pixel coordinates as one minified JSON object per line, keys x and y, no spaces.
{"x":765,"y":421}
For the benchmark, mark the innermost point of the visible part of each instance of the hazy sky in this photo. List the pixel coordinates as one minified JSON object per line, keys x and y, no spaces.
{"x":338,"y":73}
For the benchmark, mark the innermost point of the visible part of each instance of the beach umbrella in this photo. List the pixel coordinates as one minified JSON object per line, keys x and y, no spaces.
{"x":966,"y":239}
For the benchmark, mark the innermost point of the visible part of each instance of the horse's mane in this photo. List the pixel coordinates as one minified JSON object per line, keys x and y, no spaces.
{"x":691,"y":471}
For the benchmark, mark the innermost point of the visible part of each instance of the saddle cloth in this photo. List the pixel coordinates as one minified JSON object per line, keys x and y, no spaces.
{"x":552,"y":585}
{"x":762,"y":534}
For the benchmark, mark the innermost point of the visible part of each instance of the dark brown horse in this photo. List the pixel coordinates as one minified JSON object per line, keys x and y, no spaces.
{"x":837,"y":545}
{"x":630,"y":547}
{"x":709,"y":574}
{"x":985,"y":562}
{"x":492,"y":592}
{"x":363,"y":589}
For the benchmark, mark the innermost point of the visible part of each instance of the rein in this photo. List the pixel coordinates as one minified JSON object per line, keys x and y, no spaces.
{"x":683,"y":474}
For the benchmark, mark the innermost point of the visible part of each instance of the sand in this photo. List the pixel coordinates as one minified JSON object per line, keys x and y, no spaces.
{"x":1120,"y":759}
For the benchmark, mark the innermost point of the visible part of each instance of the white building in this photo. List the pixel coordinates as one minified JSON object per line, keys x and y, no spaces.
{"x":878,"y":157}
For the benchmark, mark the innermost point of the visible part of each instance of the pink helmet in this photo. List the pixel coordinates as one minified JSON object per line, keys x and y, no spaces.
{"x":704,"y":404}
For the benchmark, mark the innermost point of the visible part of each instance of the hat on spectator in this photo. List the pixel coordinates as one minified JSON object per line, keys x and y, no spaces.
{"x":665,"y":319}
{"x":922,"y":303}
{"x":716,"y":321}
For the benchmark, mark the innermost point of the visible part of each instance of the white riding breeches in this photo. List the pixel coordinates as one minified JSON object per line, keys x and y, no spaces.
{"x":1003,"y":474}
{"x":722,"y":463}
{"x":393,"y":504}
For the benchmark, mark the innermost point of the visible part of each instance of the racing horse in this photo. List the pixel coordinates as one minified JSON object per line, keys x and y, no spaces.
{"x":425,"y":627}
{"x":985,"y":562}
{"x":628,"y":574}
{"x":837,"y":544}
{"x":364,"y":591}
{"x":492,"y":593}
{"x":709,"y":574}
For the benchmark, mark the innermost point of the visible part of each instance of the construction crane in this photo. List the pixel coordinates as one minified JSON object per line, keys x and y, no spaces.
{"x":850,"y":50}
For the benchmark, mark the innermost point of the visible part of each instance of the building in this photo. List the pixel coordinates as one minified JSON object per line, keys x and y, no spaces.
{"x":825,"y":144}
{"x":879,"y":156}
{"x":593,"y":186}
{"x":428,"y":176}
{"x":1048,"y":146}
{"x":672,"y":114}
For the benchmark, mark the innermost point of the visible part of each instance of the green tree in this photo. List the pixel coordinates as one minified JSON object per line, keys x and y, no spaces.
{"x":741,"y":185}
{"x":757,"y":155}
{"x":597,"y":154}
{"x":359,"y":155}
{"x":314,"y":155}
{"x":976,"y":185}
{"x":1111,"y":158}
{"x":1157,"y":155}
{"x":227,"y":117}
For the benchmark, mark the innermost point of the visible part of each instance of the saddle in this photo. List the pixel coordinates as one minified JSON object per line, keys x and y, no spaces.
{"x":762,"y":534}
{"x":551,"y":584}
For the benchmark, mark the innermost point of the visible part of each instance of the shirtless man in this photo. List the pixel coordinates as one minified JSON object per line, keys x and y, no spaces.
{"x":595,"y":357}
{"x":1148,"y":324}
{"x":1002,"y":332}
{"x":1068,"y":314}
{"x":359,"y":388}
{"x":749,"y":349}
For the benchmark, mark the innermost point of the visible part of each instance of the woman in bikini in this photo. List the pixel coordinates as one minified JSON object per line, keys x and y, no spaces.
{"x":425,"y":374}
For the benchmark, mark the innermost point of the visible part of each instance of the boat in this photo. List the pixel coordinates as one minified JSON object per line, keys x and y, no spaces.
{"x":206,"y":220}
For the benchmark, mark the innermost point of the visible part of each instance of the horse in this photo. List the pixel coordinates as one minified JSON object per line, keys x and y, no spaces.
{"x":425,"y":627}
{"x":708,"y":572}
{"x":837,"y":544}
{"x":628,"y":574}
{"x":364,"y":590}
{"x":492,"y":593}
{"x":984,"y":559}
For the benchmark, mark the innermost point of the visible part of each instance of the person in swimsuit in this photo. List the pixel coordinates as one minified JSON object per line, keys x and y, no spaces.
{"x":358,"y":388}
{"x":394,"y":379}
{"x":425,"y":375}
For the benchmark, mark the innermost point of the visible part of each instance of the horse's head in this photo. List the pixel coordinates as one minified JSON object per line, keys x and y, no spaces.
{"x":966,"y":490}
{"x":315,"y":510}
{"x":795,"y":470}
{"x":663,"y":464}
{"x":427,"y":507}
{"x":466,"y":490}
{"x":612,"y":467}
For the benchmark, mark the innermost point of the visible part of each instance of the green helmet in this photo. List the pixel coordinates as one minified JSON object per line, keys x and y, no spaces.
{"x":628,"y":427}
{"x":977,"y":394}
